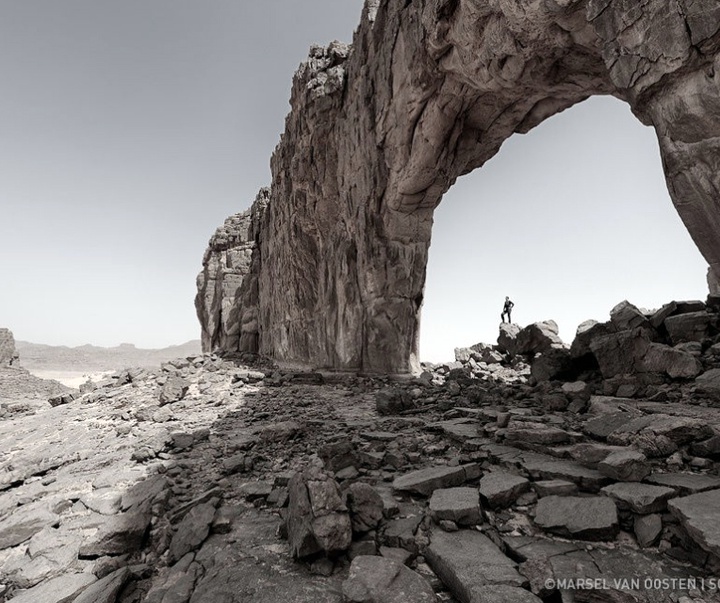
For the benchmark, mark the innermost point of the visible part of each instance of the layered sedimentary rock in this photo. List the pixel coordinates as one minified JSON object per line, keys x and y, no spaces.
{"x":227,"y":299}
{"x":8,"y":353}
{"x":429,"y":91}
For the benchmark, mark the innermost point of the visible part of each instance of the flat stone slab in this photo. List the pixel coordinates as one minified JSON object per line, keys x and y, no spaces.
{"x":24,"y":523}
{"x":106,"y":589}
{"x":502,"y":593}
{"x":192,"y":530}
{"x":625,"y":465}
{"x":374,"y":579}
{"x":425,"y":481}
{"x":639,"y":498}
{"x":461,"y":505}
{"x":700,"y":516}
{"x":554,"y":487}
{"x":58,"y":590}
{"x":679,"y":430}
{"x":587,"y":518}
{"x":501,"y":489}
{"x":122,"y":533}
{"x":602,"y":426}
{"x":468,"y":562}
{"x":458,"y":429}
{"x":536,"y":433}
{"x":545,"y":467}
{"x":621,"y":572}
{"x":685,"y":483}
{"x":589,"y":454}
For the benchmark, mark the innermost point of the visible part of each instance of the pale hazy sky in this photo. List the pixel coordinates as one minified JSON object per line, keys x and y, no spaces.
{"x":129,"y":130}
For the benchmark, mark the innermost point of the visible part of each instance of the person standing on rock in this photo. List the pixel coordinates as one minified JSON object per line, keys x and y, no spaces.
{"x":507,"y":309}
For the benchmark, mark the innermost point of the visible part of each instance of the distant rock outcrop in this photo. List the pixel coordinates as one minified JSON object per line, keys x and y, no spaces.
{"x":227,"y":299}
{"x":8,"y":353}
{"x":429,"y":91}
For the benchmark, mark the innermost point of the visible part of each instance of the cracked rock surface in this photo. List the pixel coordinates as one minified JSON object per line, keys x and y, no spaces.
{"x":262,"y":484}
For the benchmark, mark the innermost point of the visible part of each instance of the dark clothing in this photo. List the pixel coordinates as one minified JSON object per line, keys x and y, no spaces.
{"x":507,"y":309}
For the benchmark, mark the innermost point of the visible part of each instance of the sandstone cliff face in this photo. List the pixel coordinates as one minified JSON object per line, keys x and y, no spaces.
{"x":227,"y":298}
{"x":8,"y":353}
{"x":428,"y":92}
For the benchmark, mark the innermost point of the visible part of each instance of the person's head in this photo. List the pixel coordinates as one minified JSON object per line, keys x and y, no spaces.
{"x":507,"y":298}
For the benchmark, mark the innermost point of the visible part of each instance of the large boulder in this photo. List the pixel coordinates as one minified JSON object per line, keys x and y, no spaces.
{"x":660,"y":358}
{"x":626,"y":316}
{"x":708,"y":384}
{"x":538,"y":337}
{"x":317,"y":518}
{"x":586,"y":333}
{"x":507,"y":340}
{"x":692,"y":326}
{"x":555,"y":363}
{"x":617,"y":353}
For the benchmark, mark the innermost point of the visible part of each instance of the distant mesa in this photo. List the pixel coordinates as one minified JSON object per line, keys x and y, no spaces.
{"x":8,"y":353}
{"x":89,"y":358}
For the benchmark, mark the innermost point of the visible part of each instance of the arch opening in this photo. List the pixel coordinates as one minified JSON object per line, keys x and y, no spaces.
{"x":568,"y":220}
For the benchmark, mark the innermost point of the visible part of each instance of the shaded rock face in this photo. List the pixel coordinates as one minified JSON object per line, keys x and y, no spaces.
{"x":8,"y":353}
{"x":430,"y":90}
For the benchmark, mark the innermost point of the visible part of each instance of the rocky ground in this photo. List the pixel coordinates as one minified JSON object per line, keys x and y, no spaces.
{"x":520,"y":472}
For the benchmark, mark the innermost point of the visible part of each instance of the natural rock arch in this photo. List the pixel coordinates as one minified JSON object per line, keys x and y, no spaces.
{"x":429,"y":91}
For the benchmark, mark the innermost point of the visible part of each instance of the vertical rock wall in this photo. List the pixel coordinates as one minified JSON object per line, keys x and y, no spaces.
{"x":429,"y":91}
{"x":227,"y":299}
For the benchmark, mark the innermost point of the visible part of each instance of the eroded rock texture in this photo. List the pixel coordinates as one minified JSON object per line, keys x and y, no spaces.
{"x":8,"y":353}
{"x":428,"y":92}
{"x":227,"y":299}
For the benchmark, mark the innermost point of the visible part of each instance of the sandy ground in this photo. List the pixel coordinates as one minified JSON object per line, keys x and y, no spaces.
{"x":71,"y":378}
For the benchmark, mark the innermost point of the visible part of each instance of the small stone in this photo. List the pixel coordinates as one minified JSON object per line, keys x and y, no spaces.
{"x":366,"y":507}
{"x":647,"y":529}
{"x":174,"y":390}
{"x":459,"y":505}
{"x":625,"y":465}
{"x":251,"y":491}
{"x":554,"y":487}
{"x":501,"y":489}
{"x":322,"y":567}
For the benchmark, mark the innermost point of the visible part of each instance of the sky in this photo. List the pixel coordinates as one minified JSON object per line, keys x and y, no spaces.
{"x":130,"y":130}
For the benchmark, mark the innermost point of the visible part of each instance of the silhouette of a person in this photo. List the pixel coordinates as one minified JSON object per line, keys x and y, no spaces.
{"x":507,"y":309}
